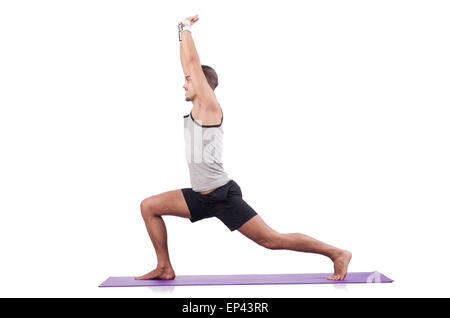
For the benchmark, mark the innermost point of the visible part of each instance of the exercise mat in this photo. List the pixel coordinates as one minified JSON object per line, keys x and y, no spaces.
{"x":249,"y":279}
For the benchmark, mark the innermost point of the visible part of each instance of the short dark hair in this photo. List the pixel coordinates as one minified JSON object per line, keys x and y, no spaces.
{"x":211,"y":76}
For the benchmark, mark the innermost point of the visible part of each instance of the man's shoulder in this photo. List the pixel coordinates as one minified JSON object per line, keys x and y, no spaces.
{"x":208,"y":115}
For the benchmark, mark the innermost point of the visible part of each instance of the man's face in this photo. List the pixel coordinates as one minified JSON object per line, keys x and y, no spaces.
{"x":189,"y":89}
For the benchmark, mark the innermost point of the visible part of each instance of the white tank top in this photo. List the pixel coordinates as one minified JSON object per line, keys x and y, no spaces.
{"x":203,"y":147}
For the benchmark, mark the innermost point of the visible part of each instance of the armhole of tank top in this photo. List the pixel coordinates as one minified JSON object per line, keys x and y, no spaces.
{"x":207,"y":126}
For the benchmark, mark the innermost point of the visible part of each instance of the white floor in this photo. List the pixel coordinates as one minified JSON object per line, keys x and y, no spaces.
{"x":431,"y":286}
{"x":259,"y":291}
{"x":336,"y":126}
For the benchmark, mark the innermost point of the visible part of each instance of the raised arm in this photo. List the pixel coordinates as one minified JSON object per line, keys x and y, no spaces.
{"x":183,"y":57}
{"x":190,"y":62}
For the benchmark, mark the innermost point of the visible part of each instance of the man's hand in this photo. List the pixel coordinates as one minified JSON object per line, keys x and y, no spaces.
{"x":191,"y":19}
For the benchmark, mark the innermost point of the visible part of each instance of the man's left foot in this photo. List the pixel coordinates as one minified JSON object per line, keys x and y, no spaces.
{"x":341,"y":262}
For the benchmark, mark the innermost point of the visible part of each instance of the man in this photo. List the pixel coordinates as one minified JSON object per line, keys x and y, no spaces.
{"x":213,"y":193}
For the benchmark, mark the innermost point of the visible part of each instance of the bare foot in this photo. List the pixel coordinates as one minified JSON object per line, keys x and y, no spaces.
{"x":158,"y":273}
{"x":340,"y":265}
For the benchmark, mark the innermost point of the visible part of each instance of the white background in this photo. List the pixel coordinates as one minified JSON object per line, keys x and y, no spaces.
{"x":336,"y":120}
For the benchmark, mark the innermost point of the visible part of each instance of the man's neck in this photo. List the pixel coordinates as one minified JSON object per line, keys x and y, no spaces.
{"x":196,"y":105}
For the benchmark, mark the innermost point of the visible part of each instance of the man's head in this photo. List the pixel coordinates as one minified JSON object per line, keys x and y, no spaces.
{"x":211,"y":77}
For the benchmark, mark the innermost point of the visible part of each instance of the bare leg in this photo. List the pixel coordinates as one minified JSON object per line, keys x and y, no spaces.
{"x":262,"y":234}
{"x":152,"y":209}
{"x":304,"y":243}
{"x":156,"y":229}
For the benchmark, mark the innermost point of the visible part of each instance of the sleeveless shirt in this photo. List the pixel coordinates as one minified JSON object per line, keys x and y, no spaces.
{"x":203,"y":150}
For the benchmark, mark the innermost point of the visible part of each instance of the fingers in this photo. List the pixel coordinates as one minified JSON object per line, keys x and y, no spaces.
{"x":193,"y":18}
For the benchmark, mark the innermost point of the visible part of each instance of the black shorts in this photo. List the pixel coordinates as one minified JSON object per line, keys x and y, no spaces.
{"x":225,"y":203}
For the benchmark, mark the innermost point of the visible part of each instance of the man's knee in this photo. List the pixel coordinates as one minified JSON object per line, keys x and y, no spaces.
{"x":148,"y":207}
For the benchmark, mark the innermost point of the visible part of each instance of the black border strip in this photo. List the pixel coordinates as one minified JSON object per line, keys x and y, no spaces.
{"x":224,"y":307}
{"x":207,"y":126}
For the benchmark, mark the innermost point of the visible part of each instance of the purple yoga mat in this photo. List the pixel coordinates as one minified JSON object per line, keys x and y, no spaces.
{"x":252,"y":279}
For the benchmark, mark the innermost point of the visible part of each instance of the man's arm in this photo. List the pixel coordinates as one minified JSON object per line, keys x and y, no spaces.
{"x":187,"y":47}
{"x":190,"y":62}
{"x":183,"y":59}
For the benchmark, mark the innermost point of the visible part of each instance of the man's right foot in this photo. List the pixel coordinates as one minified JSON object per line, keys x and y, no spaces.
{"x":158,"y":273}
